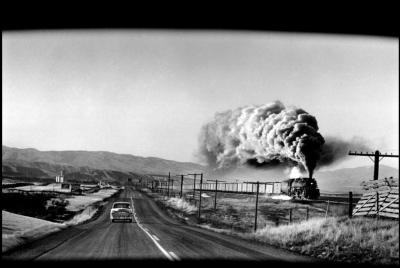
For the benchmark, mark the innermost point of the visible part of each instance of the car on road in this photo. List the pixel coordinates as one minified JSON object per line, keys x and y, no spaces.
{"x":121,"y":211}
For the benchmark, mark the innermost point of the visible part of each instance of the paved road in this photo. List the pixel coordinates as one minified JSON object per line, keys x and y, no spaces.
{"x":153,"y":236}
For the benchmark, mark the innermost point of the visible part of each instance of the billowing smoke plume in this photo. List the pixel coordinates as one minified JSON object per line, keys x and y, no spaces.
{"x":262,"y":136}
{"x":271,"y":135}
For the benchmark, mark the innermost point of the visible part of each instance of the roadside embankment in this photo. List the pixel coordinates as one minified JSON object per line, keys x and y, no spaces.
{"x":21,"y":229}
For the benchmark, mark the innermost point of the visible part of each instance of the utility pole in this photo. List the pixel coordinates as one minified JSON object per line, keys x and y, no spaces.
{"x":215,"y":197}
{"x":169,"y":177}
{"x":194,"y":186}
{"x":181,"y":185}
{"x":377,"y":158}
{"x":255,"y":220}
{"x":201,"y":188}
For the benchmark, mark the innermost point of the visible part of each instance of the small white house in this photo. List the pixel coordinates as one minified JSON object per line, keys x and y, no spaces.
{"x":60,"y":178}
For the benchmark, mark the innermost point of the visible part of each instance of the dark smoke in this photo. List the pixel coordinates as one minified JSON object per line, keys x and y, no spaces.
{"x":262,"y":136}
{"x":335,"y":149}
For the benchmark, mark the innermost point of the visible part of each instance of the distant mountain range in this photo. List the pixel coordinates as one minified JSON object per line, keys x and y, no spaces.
{"x":349,"y":179}
{"x":88,"y":165}
{"x":100,"y":165}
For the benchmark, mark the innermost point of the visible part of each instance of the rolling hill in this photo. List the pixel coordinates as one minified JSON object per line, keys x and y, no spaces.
{"x":100,"y":165}
{"x":86,"y":164}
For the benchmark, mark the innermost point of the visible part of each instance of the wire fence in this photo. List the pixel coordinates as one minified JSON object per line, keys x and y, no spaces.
{"x":246,"y":205}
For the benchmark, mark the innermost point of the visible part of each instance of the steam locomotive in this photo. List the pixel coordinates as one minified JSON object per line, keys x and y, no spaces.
{"x":302,"y":188}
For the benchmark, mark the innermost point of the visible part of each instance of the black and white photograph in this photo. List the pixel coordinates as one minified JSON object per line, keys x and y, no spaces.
{"x":172,"y":145}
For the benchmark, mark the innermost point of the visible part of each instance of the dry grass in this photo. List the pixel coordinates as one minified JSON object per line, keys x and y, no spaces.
{"x":356,"y":240}
{"x":181,"y":205}
{"x":361,"y":240}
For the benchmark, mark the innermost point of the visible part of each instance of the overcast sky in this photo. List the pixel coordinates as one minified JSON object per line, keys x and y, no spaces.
{"x":147,"y":93}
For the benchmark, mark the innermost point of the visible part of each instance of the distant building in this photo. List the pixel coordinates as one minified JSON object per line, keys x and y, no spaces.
{"x":60,"y":178}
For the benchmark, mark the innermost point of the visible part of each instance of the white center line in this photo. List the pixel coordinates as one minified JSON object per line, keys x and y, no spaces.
{"x":174,"y":255}
{"x":146,"y":231}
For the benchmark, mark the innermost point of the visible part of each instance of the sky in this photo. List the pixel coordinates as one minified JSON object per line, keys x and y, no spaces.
{"x":148,"y":92}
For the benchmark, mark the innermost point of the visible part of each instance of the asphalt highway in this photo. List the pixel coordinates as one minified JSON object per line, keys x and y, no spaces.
{"x":153,"y":235}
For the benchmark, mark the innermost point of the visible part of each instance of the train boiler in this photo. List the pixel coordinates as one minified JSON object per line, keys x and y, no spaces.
{"x":302,"y":188}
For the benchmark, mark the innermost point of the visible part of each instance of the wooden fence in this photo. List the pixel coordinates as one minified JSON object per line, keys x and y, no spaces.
{"x":379,"y":203}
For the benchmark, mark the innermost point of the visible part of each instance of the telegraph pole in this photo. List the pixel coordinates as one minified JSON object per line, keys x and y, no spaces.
{"x":377,"y":158}
{"x":201,"y":184}
{"x":215,"y":197}
{"x":255,"y":220}
{"x":194,"y":186}
{"x":181,"y":185}
{"x":169,"y":177}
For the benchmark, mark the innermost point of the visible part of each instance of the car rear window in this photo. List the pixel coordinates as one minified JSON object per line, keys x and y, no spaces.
{"x":121,"y":205}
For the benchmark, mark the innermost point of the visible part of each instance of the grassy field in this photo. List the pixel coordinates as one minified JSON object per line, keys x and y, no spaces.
{"x":236,"y":211}
{"x":327,"y":235}
{"x":360,"y":240}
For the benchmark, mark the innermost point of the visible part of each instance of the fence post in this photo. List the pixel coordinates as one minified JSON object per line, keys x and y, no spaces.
{"x":350,"y":204}
{"x":307,"y":214}
{"x":290,"y":215}
{"x":255,"y":220}
{"x":172,"y":187}
{"x":181,"y":186}
{"x":377,"y":205}
{"x":327,"y":209}
{"x":201,"y":188}
{"x":169,"y":177}
{"x":194,"y":188}
{"x":215,"y":196}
